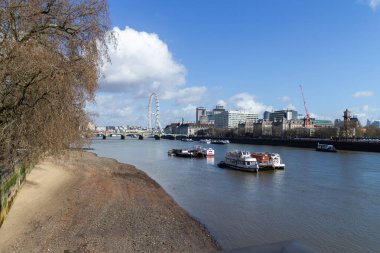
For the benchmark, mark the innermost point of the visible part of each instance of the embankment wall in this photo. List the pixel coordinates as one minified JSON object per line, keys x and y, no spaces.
{"x":353,"y":145}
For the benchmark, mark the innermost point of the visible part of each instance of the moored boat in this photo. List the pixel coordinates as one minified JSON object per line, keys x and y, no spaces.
{"x":325,"y":147}
{"x":220,"y":142}
{"x":268,"y":160}
{"x":207,"y":141}
{"x":209,"y":152}
{"x":195,"y":152}
{"x":240,"y":160}
{"x":187,"y":140}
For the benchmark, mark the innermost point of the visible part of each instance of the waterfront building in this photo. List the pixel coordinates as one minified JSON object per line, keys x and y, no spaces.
{"x":266,"y":115}
{"x":278,"y":116}
{"x":207,"y":117}
{"x":255,"y":129}
{"x":172,"y":128}
{"x":231,"y":119}
{"x":356,"y":121}
{"x":323,"y":123}
{"x":279,"y":127}
{"x":376,"y":123}
{"x":199,"y":113}
{"x":218,"y":109}
{"x":295,"y":123}
{"x":192,"y":128}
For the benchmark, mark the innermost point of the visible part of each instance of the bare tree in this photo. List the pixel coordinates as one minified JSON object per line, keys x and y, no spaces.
{"x":50,"y":56}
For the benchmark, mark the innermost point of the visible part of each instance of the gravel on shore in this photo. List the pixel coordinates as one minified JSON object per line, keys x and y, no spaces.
{"x":84,"y":203}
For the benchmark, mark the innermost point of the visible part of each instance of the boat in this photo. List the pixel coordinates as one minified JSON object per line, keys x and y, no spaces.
{"x":268,"y":160}
{"x":195,"y":152}
{"x":240,"y":160}
{"x":325,"y":147}
{"x":222,"y":142}
{"x":208,"y":152}
{"x":181,"y":153}
{"x":187,"y":139}
{"x":207,"y":141}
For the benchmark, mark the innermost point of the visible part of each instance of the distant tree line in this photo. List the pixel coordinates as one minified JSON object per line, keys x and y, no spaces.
{"x":50,"y":54}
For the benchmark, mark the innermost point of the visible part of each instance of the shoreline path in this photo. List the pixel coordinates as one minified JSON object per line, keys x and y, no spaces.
{"x":84,"y":203}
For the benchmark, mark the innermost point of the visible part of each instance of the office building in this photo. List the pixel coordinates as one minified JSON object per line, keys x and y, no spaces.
{"x":231,"y":119}
{"x":199,"y":113}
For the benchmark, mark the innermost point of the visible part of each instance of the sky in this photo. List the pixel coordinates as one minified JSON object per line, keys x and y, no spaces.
{"x":249,"y":55}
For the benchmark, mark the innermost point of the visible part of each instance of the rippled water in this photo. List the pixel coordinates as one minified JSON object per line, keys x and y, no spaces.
{"x":329,"y":201}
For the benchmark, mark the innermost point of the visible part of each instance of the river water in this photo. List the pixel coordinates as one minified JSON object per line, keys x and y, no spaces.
{"x":328,"y":201}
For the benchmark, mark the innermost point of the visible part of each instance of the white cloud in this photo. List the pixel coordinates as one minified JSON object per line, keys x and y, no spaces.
{"x":291,"y":107}
{"x":141,"y":63}
{"x":285,"y":99}
{"x":187,"y":113}
{"x":186,"y":95}
{"x":360,"y":94}
{"x":373,"y":4}
{"x":246,"y":102}
{"x":114,"y":109}
{"x":222,"y":103}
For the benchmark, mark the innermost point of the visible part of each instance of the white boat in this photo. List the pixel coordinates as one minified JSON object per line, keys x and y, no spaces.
{"x":206,"y":152}
{"x":207,"y":141}
{"x":240,"y":160}
{"x":276,"y":161}
{"x":209,"y":152}
{"x":187,"y":140}
{"x":220,"y":142}
{"x":325,"y":147}
{"x":268,"y":160}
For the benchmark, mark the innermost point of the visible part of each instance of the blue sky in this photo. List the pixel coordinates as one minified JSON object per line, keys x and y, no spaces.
{"x":243,"y":54}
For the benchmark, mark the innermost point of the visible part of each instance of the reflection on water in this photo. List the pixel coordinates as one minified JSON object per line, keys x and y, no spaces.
{"x":329,"y":201}
{"x":210,"y":160}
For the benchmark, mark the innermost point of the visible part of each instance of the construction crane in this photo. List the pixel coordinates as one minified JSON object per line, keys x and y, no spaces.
{"x":307,"y":116}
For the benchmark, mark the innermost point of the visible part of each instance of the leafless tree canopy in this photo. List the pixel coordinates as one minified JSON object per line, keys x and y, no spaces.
{"x":50,"y":54}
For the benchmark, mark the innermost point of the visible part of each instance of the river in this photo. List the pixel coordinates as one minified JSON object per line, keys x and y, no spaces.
{"x":328,"y":201}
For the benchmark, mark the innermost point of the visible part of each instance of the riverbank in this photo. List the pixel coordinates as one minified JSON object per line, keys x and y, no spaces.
{"x":83,"y":203}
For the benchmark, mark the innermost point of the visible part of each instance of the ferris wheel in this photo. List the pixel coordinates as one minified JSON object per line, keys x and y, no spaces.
{"x":156,"y":113}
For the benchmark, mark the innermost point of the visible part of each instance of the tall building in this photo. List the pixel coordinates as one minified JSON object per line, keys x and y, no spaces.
{"x":266,"y":115}
{"x":279,"y":116}
{"x":218,"y":109}
{"x":231,"y":119}
{"x":347,"y":115}
{"x":199,"y":112}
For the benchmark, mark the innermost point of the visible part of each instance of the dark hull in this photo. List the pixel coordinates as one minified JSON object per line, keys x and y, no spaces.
{"x":325,"y":150}
{"x":180,"y":153}
{"x":225,"y":165}
{"x":270,"y":167}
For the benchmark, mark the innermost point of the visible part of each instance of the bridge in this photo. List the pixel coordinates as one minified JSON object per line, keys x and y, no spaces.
{"x":151,"y":131}
{"x":140,"y":134}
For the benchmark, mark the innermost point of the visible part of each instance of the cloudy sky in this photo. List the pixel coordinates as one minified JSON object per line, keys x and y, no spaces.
{"x":243,"y":54}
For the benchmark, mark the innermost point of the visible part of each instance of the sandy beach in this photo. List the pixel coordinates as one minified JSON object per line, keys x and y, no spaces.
{"x":83,"y":203}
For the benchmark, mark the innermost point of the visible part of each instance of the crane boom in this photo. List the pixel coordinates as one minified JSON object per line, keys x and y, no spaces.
{"x":307,"y":116}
